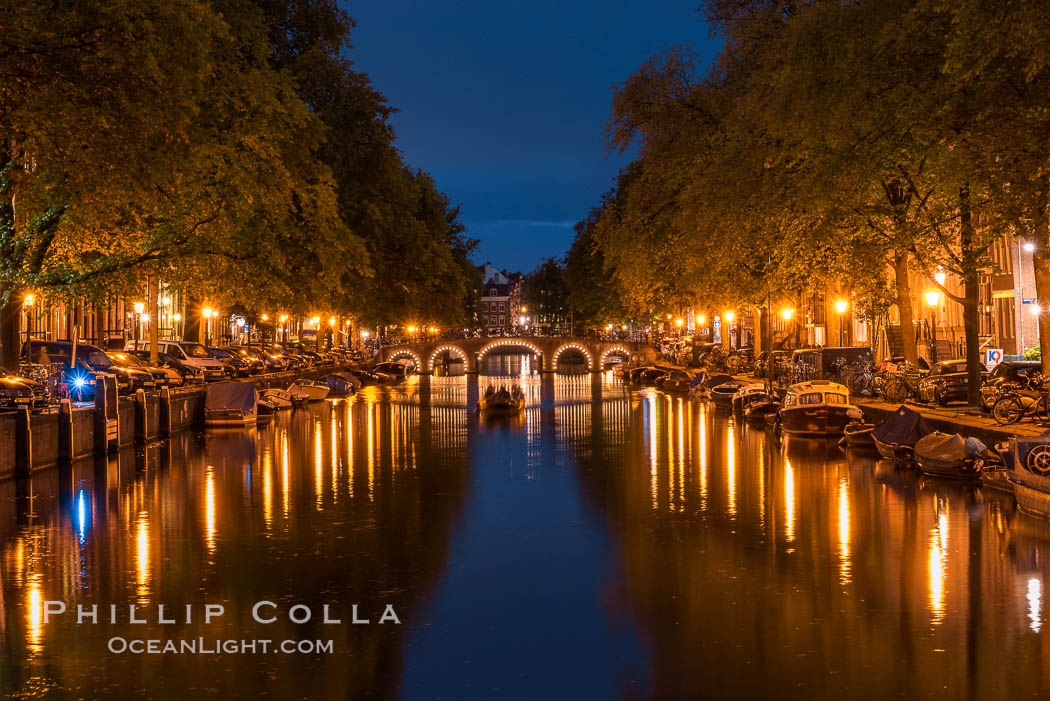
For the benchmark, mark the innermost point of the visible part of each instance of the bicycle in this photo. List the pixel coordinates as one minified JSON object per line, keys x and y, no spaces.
{"x":860,"y":377}
{"x":901,"y":385}
{"x":1019,"y":401}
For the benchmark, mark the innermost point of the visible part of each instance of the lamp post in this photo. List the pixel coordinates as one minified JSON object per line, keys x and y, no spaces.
{"x":139,"y":307}
{"x":933,"y":297}
{"x":729,"y":328}
{"x":207,"y":313}
{"x":840,"y":307}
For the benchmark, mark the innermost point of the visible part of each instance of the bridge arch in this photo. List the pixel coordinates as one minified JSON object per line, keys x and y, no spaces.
{"x":572,"y":346}
{"x":615,"y":349}
{"x":451,"y":348}
{"x":405,"y":353}
{"x":514,"y":342}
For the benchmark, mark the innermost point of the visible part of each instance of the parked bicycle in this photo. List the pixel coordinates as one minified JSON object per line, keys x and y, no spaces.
{"x":1016,"y":401}
{"x":902,"y":384}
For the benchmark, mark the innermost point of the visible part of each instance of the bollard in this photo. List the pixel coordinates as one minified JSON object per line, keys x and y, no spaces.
{"x":141,"y":417}
{"x":65,"y":432}
{"x":101,"y":440}
{"x":164,"y":413}
{"x":23,"y":443}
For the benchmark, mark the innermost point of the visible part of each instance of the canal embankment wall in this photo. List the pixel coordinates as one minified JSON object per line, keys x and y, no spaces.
{"x":30,"y":440}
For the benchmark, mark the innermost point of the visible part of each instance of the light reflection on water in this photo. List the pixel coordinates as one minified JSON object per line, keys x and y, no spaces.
{"x":651,"y":545}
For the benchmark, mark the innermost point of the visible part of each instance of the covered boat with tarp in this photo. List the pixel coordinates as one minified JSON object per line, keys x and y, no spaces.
{"x":342,"y":384}
{"x":951,"y":455}
{"x":233,"y":404}
{"x":703,"y":389}
{"x":1028,"y":470}
{"x":674,"y":381}
{"x":896,"y":436}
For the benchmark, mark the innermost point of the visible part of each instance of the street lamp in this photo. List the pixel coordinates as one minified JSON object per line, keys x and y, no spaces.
{"x":840,"y":307}
{"x":139,"y":307}
{"x":933,"y":297}
{"x":787,"y":313}
{"x":284,"y":328}
{"x":1029,"y":246}
{"x":207,"y":312}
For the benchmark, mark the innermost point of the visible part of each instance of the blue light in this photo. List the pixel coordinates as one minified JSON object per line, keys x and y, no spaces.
{"x":81,"y":515}
{"x":79,"y":382}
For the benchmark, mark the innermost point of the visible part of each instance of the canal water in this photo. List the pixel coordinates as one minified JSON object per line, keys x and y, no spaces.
{"x":608,"y":544}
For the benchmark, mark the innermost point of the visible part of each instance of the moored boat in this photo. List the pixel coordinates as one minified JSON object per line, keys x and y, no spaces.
{"x":675,"y":381}
{"x":342,"y":384}
{"x":759,"y":411}
{"x":895,"y":438}
{"x":722,"y":395}
{"x":314,"y":391}
{"x":950,"y":455}
{"x":265,"y":411}
{"x":1029,"y":473}
{"x":748,"y":394}
{"x":231,"y":404}
{"x":279,"y":398}
{"x":857,"y":434}
{"x":502,"y":402}
{"x":816,"y":407}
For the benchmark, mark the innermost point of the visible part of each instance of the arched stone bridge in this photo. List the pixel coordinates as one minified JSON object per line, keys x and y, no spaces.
{"x":428,"y":354}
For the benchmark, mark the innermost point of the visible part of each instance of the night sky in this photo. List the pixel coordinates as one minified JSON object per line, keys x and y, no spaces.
{"x":505,"y":103}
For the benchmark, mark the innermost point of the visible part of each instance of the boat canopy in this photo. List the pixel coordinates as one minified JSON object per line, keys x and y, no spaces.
{"x":715,"y":380}
{"x":905,"y":427}
{"x":231,"y":396}
{"x":701,"y":377}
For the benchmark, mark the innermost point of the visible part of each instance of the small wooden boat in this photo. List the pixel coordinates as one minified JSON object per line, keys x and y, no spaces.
{"x":265,"y":411}
{"x":950,"y":455}
{"x":816,"y":408}
{"x":895,"y":438}
{"x":314,"y":391}
{"x":278,"y":398}
{"x":502,"y":402}
{"x":722,"y":395}
{"x":748,"y":394}
{"x":759,"y":411}
{"x":857,"y":434}
{"x":231,"y":404}
{"x":702,"y":385}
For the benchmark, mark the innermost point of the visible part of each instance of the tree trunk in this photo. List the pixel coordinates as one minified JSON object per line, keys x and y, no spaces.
{"x":10,"y":330}
{"x":154,"y":319}
{"x":1041,"y":261}
{"x":902,"y":285}
{"x":971,"y":292}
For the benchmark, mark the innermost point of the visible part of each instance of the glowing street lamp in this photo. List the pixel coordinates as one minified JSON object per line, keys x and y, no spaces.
{"x":1036,"y":310}
{"x":331,"y":321}
{"x":29,"y":300}
{"x":316,"y":320}
{"x":940,"y":277}
{"x":840,"y":307}
{"x":265,"y":317}
{"x":701,"y":319}
{"x":933,"y":297}
{"x":207,"y":312}
{"x":1029,"y":246}
{"x":787,"y":313}
{"x":139,"y":307}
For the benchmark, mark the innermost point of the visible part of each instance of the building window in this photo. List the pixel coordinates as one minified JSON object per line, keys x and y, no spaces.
{"x":502,"y":320}
{"x":501,"y":307}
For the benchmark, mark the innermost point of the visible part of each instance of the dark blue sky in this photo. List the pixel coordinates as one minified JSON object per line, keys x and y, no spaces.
{"x":505,"y":102}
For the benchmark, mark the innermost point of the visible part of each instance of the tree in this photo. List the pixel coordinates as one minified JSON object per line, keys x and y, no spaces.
{"x":545,"y":294}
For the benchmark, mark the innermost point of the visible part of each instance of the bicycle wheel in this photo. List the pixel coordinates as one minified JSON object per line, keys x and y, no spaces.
{"x":895,"y":391}
{"x":1007,"y":410}
{"x":858,"y":382}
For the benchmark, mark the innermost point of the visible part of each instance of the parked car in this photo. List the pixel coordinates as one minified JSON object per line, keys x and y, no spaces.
{"x":1009,"y":371}
{"x":189,"y":373}
{"x":162,"y":376}
{"x":234,"y":365}
{"x":256,"y":364}
{"x":186,"y":353}
{"x":16,"y":391}
{"x":946,"y":382}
